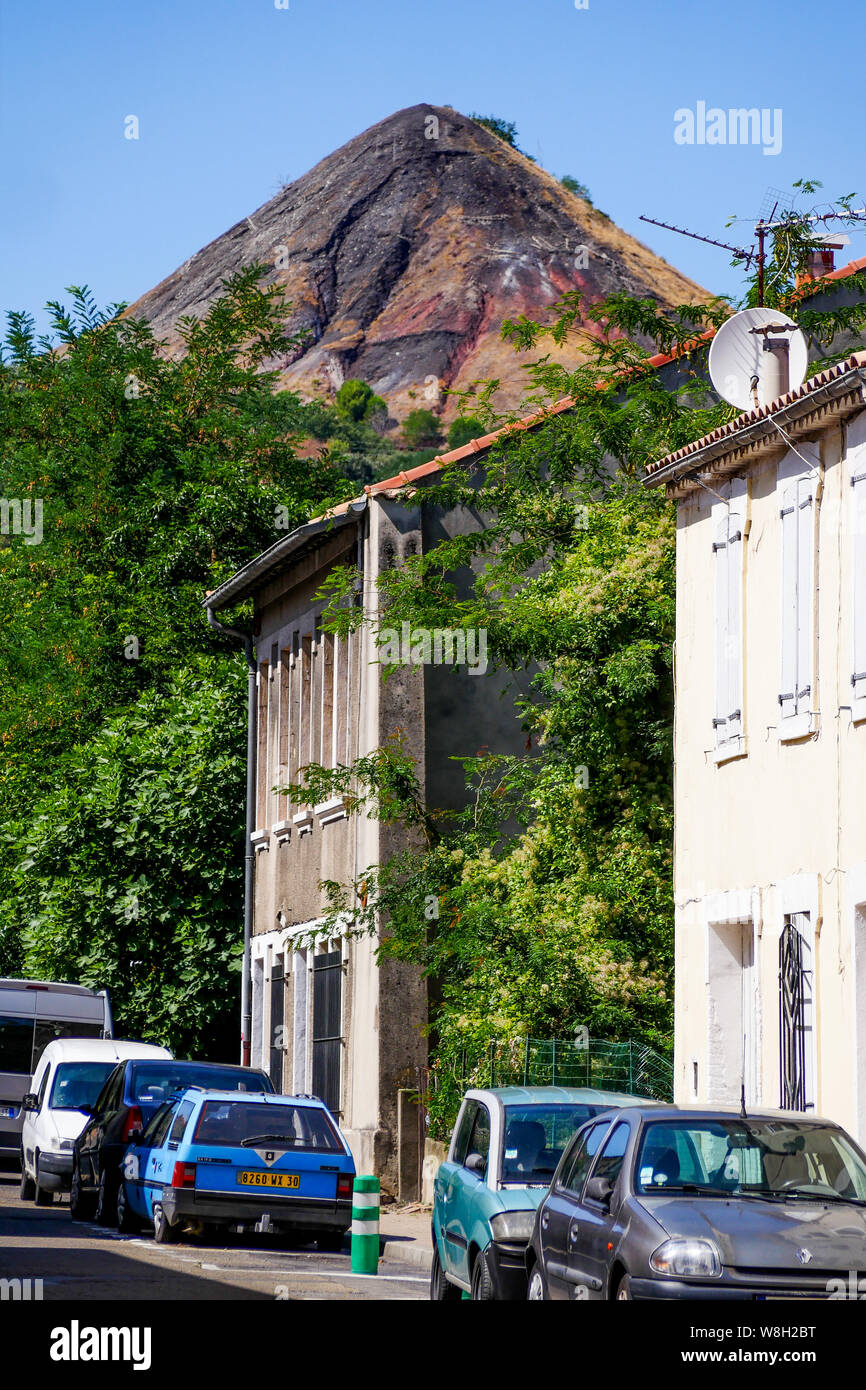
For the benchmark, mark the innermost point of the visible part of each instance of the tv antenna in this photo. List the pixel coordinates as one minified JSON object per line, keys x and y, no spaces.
{"x":762,"y":227}
{"x":756,"y":357}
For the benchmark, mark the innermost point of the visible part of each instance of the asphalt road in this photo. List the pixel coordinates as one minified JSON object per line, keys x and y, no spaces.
{"x":81,"y":1261}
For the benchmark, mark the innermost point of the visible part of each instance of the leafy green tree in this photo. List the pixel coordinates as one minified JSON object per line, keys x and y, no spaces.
{"x":353,"y":399}
{"x":420,"y":428}
{"x":463,"y":429}
{"x":574,"y":186}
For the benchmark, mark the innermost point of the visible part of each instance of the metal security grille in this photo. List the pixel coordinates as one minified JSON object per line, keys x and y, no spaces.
{"x":327,"y":1022}
{"x":278,"y":1014}
{"x":792,"y":1019}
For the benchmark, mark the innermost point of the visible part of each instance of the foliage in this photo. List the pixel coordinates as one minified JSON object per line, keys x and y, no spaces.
{"x":504,"y":130}
{"x":574,"y":186}
{"x":357,"y":401}
{"x":421,"y":427}
{"x":464,"y":429}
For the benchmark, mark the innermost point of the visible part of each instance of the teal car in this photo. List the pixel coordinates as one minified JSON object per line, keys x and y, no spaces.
{"x":504,"y":1151}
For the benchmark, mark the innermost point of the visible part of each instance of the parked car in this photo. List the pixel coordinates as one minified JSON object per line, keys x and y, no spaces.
{"x":69,"y":1077}
{"x":132,"y":1094}
{"x":685,"y":1203}
{"x":504,"y":1150}
{"x":34,"y":1013}
{"x":214,"y":1158}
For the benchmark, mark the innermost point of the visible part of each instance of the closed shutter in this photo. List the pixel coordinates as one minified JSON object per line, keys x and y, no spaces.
{"x":728,"y":532}
{"x":857,"y":466}
{"x":788,"y":692}
{"x":327,"y":1027}
{"x":797,"y":514}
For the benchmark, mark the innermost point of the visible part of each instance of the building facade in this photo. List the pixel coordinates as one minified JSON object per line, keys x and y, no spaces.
{"x":770,"y":754}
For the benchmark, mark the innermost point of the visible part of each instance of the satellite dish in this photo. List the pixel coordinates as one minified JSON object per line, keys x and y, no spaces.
{"x":756,"y":357}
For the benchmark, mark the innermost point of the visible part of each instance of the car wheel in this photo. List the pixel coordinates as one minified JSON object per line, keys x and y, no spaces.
{"x":331,"y":1240}
{"x":80,"y":1202}
{"x":127,"y":1221}
{"x":440,"y":1289}
{"x":106,"y":1201}
{"x":623,"y":1290}
{"x":26,"y":1187}
{"x":41,"y":1197}
{"x":537,"y":1291}
{"x":482,"y":1284}
{"x":163,"y":1231}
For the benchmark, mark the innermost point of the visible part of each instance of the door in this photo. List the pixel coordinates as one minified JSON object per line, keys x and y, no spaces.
{"x":444,"y":1186}
{"x":732,"y":1004}
{"x":327,"y":1027}
{"x":593,"y":1226}
{"x":558,"y":1213}
{"x":468,"y":1184}
{"x":107,"y":1103}
{"x":136,"y":1159}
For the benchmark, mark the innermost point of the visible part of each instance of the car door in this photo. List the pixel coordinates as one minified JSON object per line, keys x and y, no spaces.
{"x":557,"y":1218}
{"x":30,"y":1129}
{"x":156,"y":1163}
{"x":135,"y":1160}
{"x":445,"y":1186}
{"x":469,"y":1183}
{"x":592,"y":1229}
{"x":91,"y":1136}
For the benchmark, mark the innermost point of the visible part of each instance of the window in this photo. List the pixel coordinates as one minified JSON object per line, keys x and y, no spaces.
{"x":729,"y":522}
{"x":78,"y":1083}
{"x":479,"y":1142}
{"x":796,"y":1016}
{"x":535,"y":1136}
{"x":238,"y":1123}
{"x":612,"y":1156}
{"x":111,"y":1095}
{"x":157,"y":1131}
{"x":797,"y":512}
{"x":577,"y":1167}
{"x":463,"y":1131}
{"x":184,"y":1111}
{"x":16,"y":1044}
{"x":857,"y":465}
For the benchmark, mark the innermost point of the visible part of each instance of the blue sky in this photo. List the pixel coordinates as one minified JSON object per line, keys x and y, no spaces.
{"x":233,"y":96}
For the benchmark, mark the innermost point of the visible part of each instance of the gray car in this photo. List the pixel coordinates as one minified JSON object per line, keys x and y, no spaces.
{"x":680,"y":1202}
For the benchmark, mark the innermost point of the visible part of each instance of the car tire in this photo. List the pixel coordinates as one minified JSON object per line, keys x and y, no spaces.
{"x":127,"y":1222}
{"x":106,"y":1201}
{"x":482,"y":1284}
{"x":80,"y":1202}
{"x":441,"y":1291}
{"x":163,"y":1231}
{"x":537,"y":1289}
{"x":26,"y":1187}
{"x":41,"y":1197}
{"x":332,"y":1241}
{"x":623,"y":1290}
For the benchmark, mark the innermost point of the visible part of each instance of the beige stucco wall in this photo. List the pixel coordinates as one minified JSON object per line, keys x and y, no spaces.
{"x":783,"y":828}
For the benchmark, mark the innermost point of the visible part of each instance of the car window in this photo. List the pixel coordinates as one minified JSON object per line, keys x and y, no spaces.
{"x":77,"y":1083}
{"x":464,"y":1129}
{"x":534,"y":1137}
{"x":159,"y":1080}
{"x":161,"y":1124}
{"x":479,"y":1139}
{"x":246,"y":1124}
{"x":576,"y":1169}
{"x":610,"y":1160}
{"x":184,"y":1111}
{"x":109,"y":1097}
{"x":155,"y":1123}
{"x":42,"y":1084}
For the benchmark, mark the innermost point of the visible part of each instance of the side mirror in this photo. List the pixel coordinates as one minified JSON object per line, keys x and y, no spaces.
{"x":30,"y":1101}
{"x":599,"y":1190}
{"x":476,"y":1164}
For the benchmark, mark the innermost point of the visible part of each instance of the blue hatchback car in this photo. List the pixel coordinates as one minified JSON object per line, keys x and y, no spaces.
{"x":220,"y":1158}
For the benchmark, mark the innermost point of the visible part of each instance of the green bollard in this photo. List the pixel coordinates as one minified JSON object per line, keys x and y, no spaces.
{"x":365,"y":1226}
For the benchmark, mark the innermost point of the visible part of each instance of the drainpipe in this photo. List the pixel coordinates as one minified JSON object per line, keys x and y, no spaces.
{"x":249,"y":852}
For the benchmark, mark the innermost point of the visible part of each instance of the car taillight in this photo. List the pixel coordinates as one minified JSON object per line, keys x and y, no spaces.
{"x":133,"y":1124}
{"x":344,"y":1185}
{"x":183,"y":1175}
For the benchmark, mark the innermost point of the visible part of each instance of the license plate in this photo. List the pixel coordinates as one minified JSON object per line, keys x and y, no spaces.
{"x":247,"y":1179}
{"x":8,"y":1112}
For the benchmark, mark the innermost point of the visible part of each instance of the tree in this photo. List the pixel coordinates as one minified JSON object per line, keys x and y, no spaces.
{"x":502,"y":129}
{"x":573,"y":186}
{"x":464,"y":429}
{"x":420,"y":428}
{"x":353,"y":399}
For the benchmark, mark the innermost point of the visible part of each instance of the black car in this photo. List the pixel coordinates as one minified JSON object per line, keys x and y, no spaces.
{"x":687,"y":1203}
{"x":132,"y":1094}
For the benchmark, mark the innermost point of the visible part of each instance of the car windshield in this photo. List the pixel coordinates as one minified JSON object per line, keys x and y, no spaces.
{"x":240,"y":1125}
{"x":767,"y":1158}
{"x":154,"y":1082}
{"x":534,"y":1138}
{"x":78,"y":1083}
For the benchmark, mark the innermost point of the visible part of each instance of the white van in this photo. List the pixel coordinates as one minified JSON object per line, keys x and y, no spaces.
{"x":69,"y":1077}
{"x":32,"y":1014}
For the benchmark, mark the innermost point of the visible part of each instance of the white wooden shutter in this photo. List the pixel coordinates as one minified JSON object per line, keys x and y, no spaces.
{"x":788,"y":683}
{"x":857,"y":467}
{"x":805,"y":592}
{"x":720,"y":565}
{"x":728,"y":529}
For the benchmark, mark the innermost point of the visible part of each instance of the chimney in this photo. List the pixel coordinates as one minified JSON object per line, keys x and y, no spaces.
{"x":822,"y":258}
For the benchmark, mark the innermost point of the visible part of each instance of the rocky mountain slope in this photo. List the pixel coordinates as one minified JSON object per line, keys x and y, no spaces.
{"x":402,"y":253}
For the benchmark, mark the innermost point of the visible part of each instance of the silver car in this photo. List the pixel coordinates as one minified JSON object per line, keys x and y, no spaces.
{"x":694,"y":1203}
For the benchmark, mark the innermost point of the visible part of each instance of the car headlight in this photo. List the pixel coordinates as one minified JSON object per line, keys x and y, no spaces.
{"x":512,"y":1225}
{"x":687,"y":1259}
